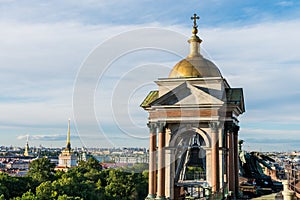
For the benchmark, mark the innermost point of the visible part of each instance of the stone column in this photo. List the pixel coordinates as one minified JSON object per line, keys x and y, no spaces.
{"x":152,"y":162}
{"x":287,"y":194}
{"x":236,"y":158}
{"x":169,"y":159}
{"x":161,"y":162}
{"x":214,"y":157}
{"x":221,"y":160}
{"x":169,"y":174}
{"x":230,"y":163}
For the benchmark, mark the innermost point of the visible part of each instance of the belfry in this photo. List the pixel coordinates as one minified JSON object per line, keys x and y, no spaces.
{"x":193,"y":123}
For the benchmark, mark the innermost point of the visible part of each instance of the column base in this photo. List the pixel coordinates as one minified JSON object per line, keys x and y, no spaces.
{"x":288,"y":195}
{"x":150,"y":197}
{"x":160,"y":198}
{"x":230,"y":195}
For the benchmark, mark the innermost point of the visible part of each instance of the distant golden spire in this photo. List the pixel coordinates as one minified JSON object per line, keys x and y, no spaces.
{"x":68,"y":137}
{"x":26,"y":153}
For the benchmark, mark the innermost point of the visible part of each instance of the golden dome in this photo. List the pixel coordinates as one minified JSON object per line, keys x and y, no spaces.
{"x":196,"y":67}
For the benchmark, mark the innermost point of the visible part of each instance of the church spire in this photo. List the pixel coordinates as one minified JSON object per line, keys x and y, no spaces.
{"x":68,"y":137}
{"x":26,"y":153}
{"x":194,"y":40}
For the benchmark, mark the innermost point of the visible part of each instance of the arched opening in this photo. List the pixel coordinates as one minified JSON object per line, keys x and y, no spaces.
{"x":190,"y":163}
{"x":190,"y":157}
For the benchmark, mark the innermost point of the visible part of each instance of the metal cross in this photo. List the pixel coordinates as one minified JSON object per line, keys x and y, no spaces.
{"x":195,"y":17}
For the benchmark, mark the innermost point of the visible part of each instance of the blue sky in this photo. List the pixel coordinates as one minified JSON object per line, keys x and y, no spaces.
{"x":43,"y":45}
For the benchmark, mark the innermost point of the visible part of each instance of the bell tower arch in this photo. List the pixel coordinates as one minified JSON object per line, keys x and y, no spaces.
{"x":194,"y":130}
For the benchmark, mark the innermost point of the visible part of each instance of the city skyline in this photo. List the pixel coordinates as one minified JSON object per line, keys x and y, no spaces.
{"x":45,"y":44}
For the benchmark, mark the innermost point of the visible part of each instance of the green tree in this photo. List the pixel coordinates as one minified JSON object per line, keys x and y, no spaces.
{"x":3,"y":190}
{"x":137,"y":168}
{"x":41,"y":170}
{"x":91,"y":163}
{"x":27,"y":196}
{"x":141,"y":185}
{"x":11,"y":186}
{"x":124,"y":185}
{"x":75,"y":184}
{"x":45,"y":191}
{"x":66,"y":197}
{"x":120,"y":185}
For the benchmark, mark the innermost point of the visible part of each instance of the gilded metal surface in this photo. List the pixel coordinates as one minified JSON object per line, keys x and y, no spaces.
{"x":184,"y":69}
{"x":197,"y":67}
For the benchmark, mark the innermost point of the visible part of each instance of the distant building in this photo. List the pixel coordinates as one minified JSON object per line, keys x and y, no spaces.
{"x":131,"y":158}
{"x":18,"y":164}
{"x":26,"y":152}
{"x":83,"y":155}
{"x":67,"y":159}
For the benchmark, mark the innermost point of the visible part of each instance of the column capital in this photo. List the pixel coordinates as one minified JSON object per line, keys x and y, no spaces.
{"x":214,"y":125}
{"x":161,"y":126}
{"x":152,"y":126}
{"x":189,"y":126}
{"x":232,"y":128}
{"x":228,"y":127}
{"x":236,"y":129}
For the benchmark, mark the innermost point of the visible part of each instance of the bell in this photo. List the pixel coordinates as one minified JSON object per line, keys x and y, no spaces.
{"x":194,"y":155}
{"x":191,"y":166}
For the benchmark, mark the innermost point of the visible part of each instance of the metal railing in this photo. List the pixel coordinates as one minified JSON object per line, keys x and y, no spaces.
{"x":293,"y":176}
{"x":196,"y":176}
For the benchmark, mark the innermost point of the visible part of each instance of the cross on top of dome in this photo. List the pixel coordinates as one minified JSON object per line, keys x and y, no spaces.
{"x":195,"y":17}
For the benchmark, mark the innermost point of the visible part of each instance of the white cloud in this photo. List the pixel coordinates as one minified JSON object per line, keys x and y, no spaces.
{"x":285,"y":3}
{"x":262,"y":58}
{"x":270,"y":140}
{"x":39,"y":63}
{"x":52,"y":137}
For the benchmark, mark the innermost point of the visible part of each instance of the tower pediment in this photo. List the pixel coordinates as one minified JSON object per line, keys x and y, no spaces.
{"x":188,"y":94}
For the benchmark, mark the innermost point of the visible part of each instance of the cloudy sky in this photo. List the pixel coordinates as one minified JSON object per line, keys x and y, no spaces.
{"x":46,"y":48}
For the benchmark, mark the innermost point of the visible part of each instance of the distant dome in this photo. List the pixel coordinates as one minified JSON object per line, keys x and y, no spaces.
{"x":195,"y":67}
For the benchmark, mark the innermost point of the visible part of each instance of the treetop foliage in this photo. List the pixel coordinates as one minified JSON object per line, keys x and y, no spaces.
{"x":87,"y":181}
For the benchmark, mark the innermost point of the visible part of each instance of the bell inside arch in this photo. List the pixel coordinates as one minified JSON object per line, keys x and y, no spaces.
{"x":190,"y":174}
{"x":194,"y":161}
{"x":195,"y":158}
